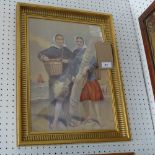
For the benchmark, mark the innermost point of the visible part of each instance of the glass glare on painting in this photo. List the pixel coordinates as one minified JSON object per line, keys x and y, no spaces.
{"x":65,"y":92}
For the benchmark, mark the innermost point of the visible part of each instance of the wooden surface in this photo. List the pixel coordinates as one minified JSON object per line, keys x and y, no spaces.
{"x":142,"y":20}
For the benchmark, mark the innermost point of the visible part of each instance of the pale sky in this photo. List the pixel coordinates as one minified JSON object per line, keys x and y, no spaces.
{"x":41,"y":34}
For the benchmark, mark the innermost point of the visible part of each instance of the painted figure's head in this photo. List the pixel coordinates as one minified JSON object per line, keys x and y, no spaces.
{"x":79,"y":42}
{"x":59,"y":40}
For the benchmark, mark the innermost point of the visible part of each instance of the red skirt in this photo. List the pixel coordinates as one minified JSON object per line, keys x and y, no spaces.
{"x":91,"y":91}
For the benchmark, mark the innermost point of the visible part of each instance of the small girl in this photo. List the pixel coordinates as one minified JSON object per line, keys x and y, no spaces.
{"x":91,"y":91}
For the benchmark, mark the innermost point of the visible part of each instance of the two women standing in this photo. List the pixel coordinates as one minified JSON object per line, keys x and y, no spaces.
{"x":91,"y":91}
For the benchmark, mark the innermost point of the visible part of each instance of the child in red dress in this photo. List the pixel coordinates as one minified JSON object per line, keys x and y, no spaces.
{"x":91,"y":91}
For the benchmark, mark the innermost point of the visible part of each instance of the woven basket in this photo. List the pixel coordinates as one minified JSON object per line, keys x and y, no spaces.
{"x":54,"y":67}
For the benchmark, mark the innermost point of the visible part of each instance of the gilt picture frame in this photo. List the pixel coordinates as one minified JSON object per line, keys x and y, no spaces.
{"x":147,"y":26}
{"x":67,"y":92}
{"x":124,"y":153}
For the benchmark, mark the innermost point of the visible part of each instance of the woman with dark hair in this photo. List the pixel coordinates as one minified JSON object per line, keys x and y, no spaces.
{"x":86,"y":88}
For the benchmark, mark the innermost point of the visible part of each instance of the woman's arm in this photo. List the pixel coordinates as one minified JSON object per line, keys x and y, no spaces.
{"x":42,"y":55}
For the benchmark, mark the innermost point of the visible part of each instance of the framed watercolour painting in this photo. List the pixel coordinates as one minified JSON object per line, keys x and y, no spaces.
{"x":147,"y":25}
{"x":69,"y":87}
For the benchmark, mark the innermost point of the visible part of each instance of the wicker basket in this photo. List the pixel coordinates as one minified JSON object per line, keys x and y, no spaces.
{"x":54,"y":67}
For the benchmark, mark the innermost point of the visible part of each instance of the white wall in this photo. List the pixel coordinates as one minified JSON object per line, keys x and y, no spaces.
{"x":132,"y":59}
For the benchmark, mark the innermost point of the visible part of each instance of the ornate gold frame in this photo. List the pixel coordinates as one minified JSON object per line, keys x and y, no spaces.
{"x":24,"y":133}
